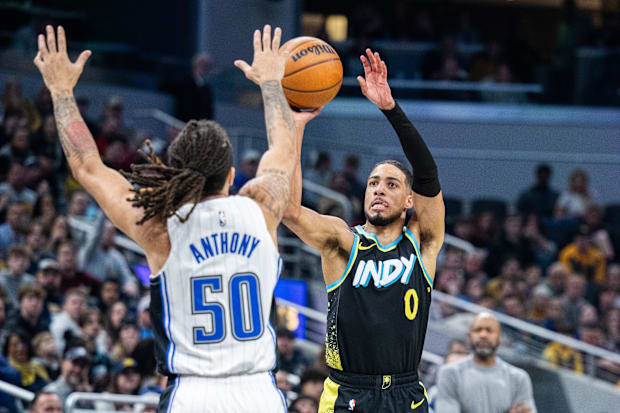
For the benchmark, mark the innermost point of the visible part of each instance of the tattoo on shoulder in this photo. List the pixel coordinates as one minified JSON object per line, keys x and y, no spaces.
{"x":275,"y":171}
{"x":271,"y":189}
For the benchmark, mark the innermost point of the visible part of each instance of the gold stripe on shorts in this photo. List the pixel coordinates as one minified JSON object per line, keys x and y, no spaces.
{"x":329,"y":396}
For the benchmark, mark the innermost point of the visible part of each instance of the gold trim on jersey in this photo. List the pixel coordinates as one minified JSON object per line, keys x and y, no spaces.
{"x":329,"y":396}
{"x":332,"y":351}
{"x":352,"y":258}
{"x":412,"y":238}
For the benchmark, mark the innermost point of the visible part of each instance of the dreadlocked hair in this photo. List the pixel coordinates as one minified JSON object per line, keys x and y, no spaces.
{"x":199,"y":159}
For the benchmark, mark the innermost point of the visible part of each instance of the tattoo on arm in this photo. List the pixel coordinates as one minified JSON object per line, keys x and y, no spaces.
{"x":75,"y":138}
{"x":271,"y":190}
{"x":277,"y":110}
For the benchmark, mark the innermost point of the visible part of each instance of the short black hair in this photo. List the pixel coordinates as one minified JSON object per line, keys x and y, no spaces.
{"x":322,"y":158}
{"x":543,"y":167}
{"x":403,"y":168}
{"x":311,"y":374}
{"x":286,"y":333}
{"x":38,"y":395}
{"x":352,"y":161}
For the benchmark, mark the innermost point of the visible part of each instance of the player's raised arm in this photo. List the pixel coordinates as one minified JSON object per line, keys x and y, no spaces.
{"x":427,"y":199}
{"x":106,"y":185}
{"x":321,"y":232}
{"x":271,"y":186}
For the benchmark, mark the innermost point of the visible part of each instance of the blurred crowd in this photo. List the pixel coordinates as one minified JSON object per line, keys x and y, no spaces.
{"x":504,"y":44}
{"x":74,"y":312}
{"x":74,"y":316}
{"x":548,"y":258}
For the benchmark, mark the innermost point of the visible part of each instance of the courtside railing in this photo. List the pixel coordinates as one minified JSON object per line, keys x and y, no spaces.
{"x":438,"y":296}
{"x":16,"y":392}
{"x":139,"y":402}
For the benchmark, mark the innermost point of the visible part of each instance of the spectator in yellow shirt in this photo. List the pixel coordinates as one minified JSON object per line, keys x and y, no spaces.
{"x":584,"y":258}
{"x":560,"y":355}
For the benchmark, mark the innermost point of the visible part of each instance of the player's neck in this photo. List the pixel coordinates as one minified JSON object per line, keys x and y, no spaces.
{"x":223,"y":193}
{"x":485,"y":362}
{"x":386,"y":234}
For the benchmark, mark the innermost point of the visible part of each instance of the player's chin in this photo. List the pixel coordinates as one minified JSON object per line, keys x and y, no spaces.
{"x":381,"y":218}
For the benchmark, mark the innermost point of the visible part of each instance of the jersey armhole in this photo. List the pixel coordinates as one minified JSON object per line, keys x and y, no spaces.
{"x":347,"y":270}
{"x":413,"y":240}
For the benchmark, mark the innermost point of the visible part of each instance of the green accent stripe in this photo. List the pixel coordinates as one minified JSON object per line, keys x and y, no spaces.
{"x":352,"y":257}
{"x":417,"y":251}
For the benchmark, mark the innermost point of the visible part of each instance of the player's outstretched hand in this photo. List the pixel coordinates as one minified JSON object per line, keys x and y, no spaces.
{"x":301,"y":118}
{"x":374,"y":82}
{"x":269,"y":60}
{"x":59,"y":73}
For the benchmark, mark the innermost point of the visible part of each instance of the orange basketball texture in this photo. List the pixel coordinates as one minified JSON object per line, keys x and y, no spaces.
{"x":313,"y":72}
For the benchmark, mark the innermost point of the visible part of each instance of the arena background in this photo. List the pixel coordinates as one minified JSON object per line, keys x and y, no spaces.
{"x":496,"y":88}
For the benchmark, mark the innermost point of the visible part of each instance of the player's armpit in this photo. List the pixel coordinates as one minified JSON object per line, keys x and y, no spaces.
{"x":430,"y":222}
{"x":322,"y":232}
{"x":112,"y":191}
{"x":270,"y":189}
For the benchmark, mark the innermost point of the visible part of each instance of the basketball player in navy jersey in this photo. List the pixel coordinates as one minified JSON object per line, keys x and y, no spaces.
{"x":214,"y":257}
{"x":379,"y":276}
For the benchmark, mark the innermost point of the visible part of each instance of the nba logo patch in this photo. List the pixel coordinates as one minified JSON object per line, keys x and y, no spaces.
{"x":387,"y":382}
{"x":222,"y":217}
{"x":352,"y":404}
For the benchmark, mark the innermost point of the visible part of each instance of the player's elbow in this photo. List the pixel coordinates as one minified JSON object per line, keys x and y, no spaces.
{"x":291,"y":215}
{"x":83,"y":172}
{"x":79,"y":172}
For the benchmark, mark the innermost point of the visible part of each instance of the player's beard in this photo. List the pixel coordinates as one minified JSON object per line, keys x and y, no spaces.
{"x":382,"y":221}
{"x":484,"y":352}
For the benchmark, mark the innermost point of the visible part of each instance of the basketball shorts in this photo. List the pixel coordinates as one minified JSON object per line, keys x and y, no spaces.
{"x":399,"y":393}
{"x":235,"y":394}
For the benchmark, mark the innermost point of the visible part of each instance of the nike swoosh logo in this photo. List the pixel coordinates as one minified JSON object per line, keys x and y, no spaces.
{"x":415,"y":405}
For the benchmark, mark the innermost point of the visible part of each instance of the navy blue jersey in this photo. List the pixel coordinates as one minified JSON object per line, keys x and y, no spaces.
{"x":378,"y":309}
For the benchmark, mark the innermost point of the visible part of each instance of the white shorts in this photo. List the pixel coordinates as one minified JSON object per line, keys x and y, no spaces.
{"x":235,"y":394}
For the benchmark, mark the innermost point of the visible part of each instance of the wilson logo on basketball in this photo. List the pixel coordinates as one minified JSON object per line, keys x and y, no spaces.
{"x":318,"y":49}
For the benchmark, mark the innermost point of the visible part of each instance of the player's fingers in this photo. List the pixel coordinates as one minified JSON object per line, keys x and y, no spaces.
{"x":383,"y":69}
{"x":243,"y":66}
{"x":267,"y":37}
{"x":257,"y":46}
{"x":37,"y":60}
{"x":376,"y":62}
{"x":362,"y":83}
{"x":82,"y":58}
{"x":51,"y":39}
{"x":365,"y":64}
{"x":42,"y":46}
{"x":371,"y":59}
{"x":277,"y":36}
{"x":62,"y":40}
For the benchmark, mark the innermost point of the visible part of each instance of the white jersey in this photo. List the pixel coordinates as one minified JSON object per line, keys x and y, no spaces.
{"x":211,"y":301}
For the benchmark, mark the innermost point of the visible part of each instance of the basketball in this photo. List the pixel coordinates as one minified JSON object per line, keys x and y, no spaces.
{"x":313,"y":72}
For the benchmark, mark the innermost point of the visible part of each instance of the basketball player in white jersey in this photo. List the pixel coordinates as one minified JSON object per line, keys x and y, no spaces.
{"x":214,"y":257}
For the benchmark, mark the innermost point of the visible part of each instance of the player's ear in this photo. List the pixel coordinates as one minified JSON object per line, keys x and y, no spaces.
{"x":230,"y":178}
{"x":409,"y":200}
